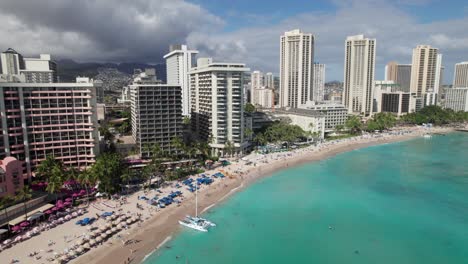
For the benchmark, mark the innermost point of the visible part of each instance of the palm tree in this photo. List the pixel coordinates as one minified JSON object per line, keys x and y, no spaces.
{"x":5,"y":202}
{"x":229,"y":147}
{"x":55,"y":181}
{"x":23,"y":196}
{"x":45,"y":166}
{"x":86,"y":178}
{"x":127,"y":176}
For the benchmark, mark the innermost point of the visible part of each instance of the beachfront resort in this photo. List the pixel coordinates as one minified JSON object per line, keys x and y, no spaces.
{"x":105,"y":162}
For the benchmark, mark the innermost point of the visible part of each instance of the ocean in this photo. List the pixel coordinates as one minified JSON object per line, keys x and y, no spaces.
{"x":403,"y":202}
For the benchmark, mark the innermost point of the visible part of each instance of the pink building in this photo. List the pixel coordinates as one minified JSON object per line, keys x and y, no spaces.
{"x":11,"y":176}
{"x":56,"y":119}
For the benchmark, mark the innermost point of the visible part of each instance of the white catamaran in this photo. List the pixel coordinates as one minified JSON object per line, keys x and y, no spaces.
{"x":195,"y":222}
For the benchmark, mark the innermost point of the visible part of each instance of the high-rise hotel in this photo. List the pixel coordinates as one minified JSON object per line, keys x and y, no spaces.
{"x":217,"y":104}
{"x":41,"y":119}
{"x":296,"y":68}
{"x":359,"y":72}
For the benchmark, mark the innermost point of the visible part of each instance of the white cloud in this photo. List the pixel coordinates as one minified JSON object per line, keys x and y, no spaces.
{"x":396,"y":31}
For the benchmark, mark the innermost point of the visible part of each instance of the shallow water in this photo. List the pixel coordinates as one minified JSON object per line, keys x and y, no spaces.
{"x":400,"y":203}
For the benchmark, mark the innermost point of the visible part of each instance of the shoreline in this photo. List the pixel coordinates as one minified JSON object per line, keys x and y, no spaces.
{"x":161,"y":228}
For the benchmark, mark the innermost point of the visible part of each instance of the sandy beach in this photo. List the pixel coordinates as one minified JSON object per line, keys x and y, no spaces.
{"x":158,"y":226}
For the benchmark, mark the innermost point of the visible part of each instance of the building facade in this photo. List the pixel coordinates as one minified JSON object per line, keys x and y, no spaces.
{"x":179,"y":61}
{"x":309,"y":120}
{"x":40,"y":70}
{"x":398,"y":103}
{"x":335,"y":114}
{"x":319,"y":82}
{"x":359,"y":72}
{"x":156,"y":113}
{"x":11,"y":62}
{"x":424,"y":70}
{"x":42,"y":119}
{"x":457,"y":99}
{"x":256,"y":82}
{"x":264,"y":97}
{"x":269,"y":81}
{"x":460,"y":78}
{"x":217,"y":104}
{"x":296,"y":68}
{"x":11,"y":176}
{"x":400,"y":74}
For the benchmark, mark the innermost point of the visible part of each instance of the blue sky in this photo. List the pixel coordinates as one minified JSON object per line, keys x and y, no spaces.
{"x":244,"y":31}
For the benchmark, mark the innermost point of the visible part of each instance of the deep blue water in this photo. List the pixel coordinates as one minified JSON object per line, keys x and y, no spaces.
{"x":399,"y":203}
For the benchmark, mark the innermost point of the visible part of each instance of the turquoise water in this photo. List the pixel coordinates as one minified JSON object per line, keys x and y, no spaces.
{"x":397,"y":203}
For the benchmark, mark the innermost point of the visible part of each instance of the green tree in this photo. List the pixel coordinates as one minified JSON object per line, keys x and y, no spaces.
{"x":186,"y":120}
{"x":45,"y":166}
{"x":249,"y":108}
{"x":24,"y":195}
{"x":86,"y":178}
{"x":5,"y":202}
{"x":339,"y":128}
{"x":55,"y":181}
{"x":354,"y":124}
{"x":229,"y":148}
{"x":107,"y":170}
{"x":127,"y":176}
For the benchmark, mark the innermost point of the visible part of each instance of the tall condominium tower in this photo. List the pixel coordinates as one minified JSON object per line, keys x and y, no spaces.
{"x":296,"y":66}
{"x":460,"y":78}
{"x":319,"y":82}
{"x":11,"y":62}
{"x":256,"y":82}
{"x":424,"y":70}
{"x":400,"y":74}
{"x":179,"y":61}
{"x":217,"y":108}
{"x":269,"y":80}
{"x":359,"y":72}
{"x":42,"y":119}
{"x":156,"y":112}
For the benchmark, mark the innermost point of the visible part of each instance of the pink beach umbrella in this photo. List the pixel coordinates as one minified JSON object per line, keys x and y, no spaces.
{"x":48,"y":212}
{"x":16,"y":228}
{"x":54,"y":209}
{"x":18,"y":238}
{"x":24,"y":224}
{"x":68,"y":200}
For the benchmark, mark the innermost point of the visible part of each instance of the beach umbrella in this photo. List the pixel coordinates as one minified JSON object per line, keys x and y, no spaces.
{"x":16,"y":228}
{"x":103,"y":228}
{"x":129,"y":221}
{"x":48,"y":212}
{"x":24,"y":224}
{"x":103,"y":236}
{"x":18,"y":238}
{"x":123,"y":217}
{"x":109,"y":225}
{"x":92,"y":242}
{"x":68,"y":200}
{"x":87,"y":246}
{"x":80,"y":250}
{"x":121,"y":225}
{"x":109,"y":232}
{"x":98,"y":239}
{"x":74,"y":214}
{"x":8,"y":241}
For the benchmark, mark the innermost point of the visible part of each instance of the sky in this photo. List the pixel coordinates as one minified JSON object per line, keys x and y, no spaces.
{"x":243,"y":31}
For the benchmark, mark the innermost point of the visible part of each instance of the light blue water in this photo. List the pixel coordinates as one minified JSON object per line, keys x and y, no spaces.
{"x":398,"y":203}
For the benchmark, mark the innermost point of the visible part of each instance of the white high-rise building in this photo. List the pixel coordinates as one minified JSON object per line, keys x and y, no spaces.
{"x":256,"y":82}
{"x":11,"y":62}
{"x":40,"y":70}
{"x":457,"y":99}
{"x":179,"y":61}
{"x":269,"y":80}
{"x":359,"y":72}
{"x":319,"y":82}
{"x":217,"y":104}
{"x":296,"y":68}
{"x":424,"y":70}
{"x":439,"y":74}
{"x":460,"y":78}
{"x":264,"y":97}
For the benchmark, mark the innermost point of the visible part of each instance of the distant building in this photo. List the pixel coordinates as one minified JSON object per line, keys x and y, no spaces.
{"x":400,"y":74}
{"x":264,"y":97}
{"x":296,"y":68}
{"x":269,"y":81}
{"x":217,"y":104}
{"x":256,"y":82}
{"x":383,"y":87}
{"x":125,"y":96}
{"x":424,"y":70}
{"x":359,"y":73}
{"x":398,"y":103}
{"x":457,"y":99}
{"x":179,"y":61}
{"x":41,"y":119}
{"x":156,"y":113}
{"x":319,"y":82}
{"x":308,"y":120}
{"x":334,"y":113}
{"x":35,"y":70}
{"x":40,"y":70}
{"x":11,"y":176}
{"x":460,"y":78}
